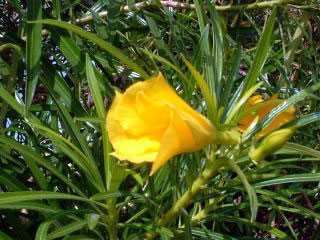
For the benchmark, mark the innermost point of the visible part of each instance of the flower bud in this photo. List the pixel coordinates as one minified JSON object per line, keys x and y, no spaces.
{"x":271,"y":144}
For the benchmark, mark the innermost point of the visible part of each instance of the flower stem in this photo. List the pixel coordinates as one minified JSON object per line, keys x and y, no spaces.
{"x":187,"y":197}
{"x":112,"y":221}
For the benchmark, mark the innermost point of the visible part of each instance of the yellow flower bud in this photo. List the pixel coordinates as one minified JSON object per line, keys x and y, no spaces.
{"x":261,"y":108}
{"x":149,"y":122}
{"x":271,"y":143}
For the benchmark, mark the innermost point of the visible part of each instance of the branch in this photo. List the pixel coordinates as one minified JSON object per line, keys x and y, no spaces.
{"x":186,"y":199}
{"x":181,"y":6}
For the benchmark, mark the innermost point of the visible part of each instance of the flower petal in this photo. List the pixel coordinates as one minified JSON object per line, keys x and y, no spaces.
{"x":259,"y":108}
{"x":202,"y":132}
{"x":120,"y":117}
{"x":280,"y":120}
{"x":176,"y":139}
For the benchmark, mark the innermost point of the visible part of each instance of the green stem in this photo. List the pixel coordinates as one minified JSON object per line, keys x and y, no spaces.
{"x":112,"y":222}
{"x":211,"y":169}
{"x":188,"y":196}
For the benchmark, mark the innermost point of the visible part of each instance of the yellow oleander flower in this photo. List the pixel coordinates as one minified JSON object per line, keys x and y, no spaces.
{"x":262,"y":110}
{"x":149,"y":122}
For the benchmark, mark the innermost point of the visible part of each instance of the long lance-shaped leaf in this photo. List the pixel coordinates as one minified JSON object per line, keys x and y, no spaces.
{"x":19,"y":108}
{"x":169,"y":64}
{"x":294,"y":178}
{"x":230,"y":80}
{"x":42,"y":232}
{"x":301,"y":149}
{"x":71,"y":128}
{"x":33,"y":50}
{"x":262,"y":51}
{"x":36,"y":122}
{"x":94,"y":88}
{"x":117,"y":53}
{"x":11,"y":182}
{"x":6,"y":96}
{"x":27,"y":152}
{"x":4,"y":236}
{"x":205,"y":89}
{"x":217,"y":50}
{"x":250,"y":190}
{"x":233,"y":111}
{"x":75,"y":154}
{"x":35,"y":206}
{"x":16,"y":197}
{"x":67,"y":229}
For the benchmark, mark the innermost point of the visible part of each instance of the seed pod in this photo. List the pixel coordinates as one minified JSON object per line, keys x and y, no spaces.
{"x":271,"y":144}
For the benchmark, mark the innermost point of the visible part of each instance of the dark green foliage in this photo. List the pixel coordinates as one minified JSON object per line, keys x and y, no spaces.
{"x":59,"y":69}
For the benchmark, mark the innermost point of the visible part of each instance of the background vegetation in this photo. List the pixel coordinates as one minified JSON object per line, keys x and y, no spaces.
{"x":57,"y":179}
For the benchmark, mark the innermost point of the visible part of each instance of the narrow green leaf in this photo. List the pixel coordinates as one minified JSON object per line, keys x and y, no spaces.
{"x":11,"y":101}
{"x":16,"y":197}
{"x":159,"y":41}
{"x":90,"y":169}
{"x":101,"y":43}
{"x":200,"y":14}
{"x":262,"y":51}
{"x":169,"y":64}
{"x":207,"y":63}
{"x":32,"y":155}
{"x":56,"y":8}
{"x":109,"y":162}
{"x":94,"y":88}
{"x":119,"y":173}
{"x":306,"y":119}
{"x":253,"y":199}
{"x":67,"y":229}
{"x":301,"y":149}
{"x":231,"y":76}
{"x":296,"y":207}
{"x":202,"y":84}
{"x":206,"y":234}
{"x":234,"y":110}
{"x":35,"y":206}
{"x":70,"y":50}
{"x":217,"y":54}
{"x":33,"y":50}
{"x":37,"y":173}
{"x":61,"y":87}
{"x":4,"y":236}
{"x":294,"y":178}
{"x":11,"y":183}
{"x":42,"y":232}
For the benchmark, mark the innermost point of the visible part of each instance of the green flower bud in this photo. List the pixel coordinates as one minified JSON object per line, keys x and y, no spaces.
{"x":271,"y":143}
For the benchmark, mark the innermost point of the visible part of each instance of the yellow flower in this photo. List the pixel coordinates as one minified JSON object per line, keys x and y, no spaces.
{"x":258,"y":107}
{"x":149,"y":122}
